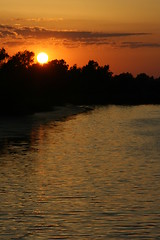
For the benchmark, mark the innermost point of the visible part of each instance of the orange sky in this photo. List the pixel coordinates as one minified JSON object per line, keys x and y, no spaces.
{"x":122,"y":33}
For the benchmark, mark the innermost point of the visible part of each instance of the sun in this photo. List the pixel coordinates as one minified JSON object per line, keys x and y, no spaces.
{"x":42,"y":57}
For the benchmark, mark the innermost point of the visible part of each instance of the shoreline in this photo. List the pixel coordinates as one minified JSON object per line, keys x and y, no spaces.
{"x":62,"y":112}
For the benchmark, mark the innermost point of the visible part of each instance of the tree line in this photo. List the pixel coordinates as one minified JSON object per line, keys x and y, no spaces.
{"x":28,"y":87}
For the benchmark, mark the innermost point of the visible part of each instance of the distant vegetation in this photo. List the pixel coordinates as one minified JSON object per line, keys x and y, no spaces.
{"x":26,"y":87}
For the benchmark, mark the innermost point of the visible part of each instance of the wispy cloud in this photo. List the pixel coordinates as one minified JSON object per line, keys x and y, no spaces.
{"x":37,"y":20}
{"x":14,"y":43}
{"x":67,"y":37}
{"x":140,"y":44}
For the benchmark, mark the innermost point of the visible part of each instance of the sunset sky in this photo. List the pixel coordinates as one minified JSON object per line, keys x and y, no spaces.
{"x":122,"y":33}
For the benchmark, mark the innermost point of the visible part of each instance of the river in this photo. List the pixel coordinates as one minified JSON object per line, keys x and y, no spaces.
{"x":95,"y":175}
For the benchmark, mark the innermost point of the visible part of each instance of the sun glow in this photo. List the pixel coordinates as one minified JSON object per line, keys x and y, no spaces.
{"x":42,"y":58}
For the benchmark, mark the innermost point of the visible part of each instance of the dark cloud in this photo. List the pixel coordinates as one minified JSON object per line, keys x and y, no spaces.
{"x":37,"y":32}
{"x":70,"y":35}
{"x":66,"y":37}
{"x":2,"y":26}
{"x":140,"y":45}
{"x":7,"y":31}
{"x":13,"y":43}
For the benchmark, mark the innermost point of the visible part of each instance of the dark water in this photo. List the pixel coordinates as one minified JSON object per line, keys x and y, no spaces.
{"x":93,"y":176}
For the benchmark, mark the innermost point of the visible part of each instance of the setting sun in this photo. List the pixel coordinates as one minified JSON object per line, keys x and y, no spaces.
{"x":42,"y":58}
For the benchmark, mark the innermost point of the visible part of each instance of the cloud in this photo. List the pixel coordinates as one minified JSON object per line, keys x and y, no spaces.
{"x":67,"y":37}
{"x":13,"y":43}
{"x":37,"y":19}
{"x":140,"y":45}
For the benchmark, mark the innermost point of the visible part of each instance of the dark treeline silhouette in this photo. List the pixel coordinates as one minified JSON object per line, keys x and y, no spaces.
{"x":26,"y":87}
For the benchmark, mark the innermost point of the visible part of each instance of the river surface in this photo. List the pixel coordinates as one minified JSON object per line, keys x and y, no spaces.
{"x":95,"y":175}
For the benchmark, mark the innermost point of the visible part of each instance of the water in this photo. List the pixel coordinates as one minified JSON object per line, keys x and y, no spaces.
{"x":92,"y":176}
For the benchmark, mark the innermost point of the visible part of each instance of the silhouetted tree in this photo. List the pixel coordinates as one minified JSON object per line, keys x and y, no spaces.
{"x":27,"y":87}
{"x":3,"y":56}
{"x":124,"y":77}
{"x":143,"y":77}
{"x":21,"y":60}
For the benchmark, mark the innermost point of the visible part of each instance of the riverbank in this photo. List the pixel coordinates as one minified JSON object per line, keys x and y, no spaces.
{"x":63,"y":112}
